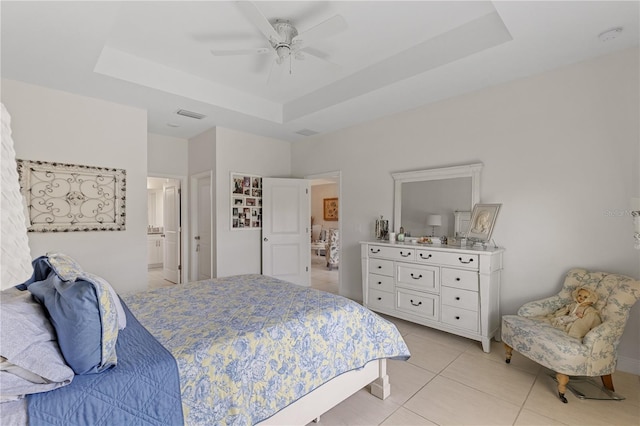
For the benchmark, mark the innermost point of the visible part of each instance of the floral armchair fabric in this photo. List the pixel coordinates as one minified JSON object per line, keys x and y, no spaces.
{"x":596,"y":353}
{"x":333,"y":248}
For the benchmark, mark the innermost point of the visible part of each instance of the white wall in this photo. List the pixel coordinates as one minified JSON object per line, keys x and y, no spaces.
{"x":560,"y":152}
{"x":239,"y":251}
{"x":167,"y":156}
{"x":55,"y":126}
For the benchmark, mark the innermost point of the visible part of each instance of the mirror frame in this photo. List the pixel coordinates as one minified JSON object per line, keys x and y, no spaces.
{"x":466,"y":170}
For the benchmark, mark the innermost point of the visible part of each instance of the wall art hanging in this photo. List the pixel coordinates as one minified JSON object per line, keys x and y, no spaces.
{"x":69,"y":197}
{"x":246,"y":201}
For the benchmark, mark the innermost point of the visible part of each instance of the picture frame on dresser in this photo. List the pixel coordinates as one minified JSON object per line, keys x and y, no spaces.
{"x":483,"y":220}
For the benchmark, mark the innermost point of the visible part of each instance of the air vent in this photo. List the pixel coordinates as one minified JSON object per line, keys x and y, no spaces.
{"x":306,"y":132}
{"x":190,"y":114}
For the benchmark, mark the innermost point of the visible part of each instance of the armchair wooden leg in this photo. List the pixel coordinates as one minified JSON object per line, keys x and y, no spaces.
{"x":562,"y":379}
{"x":607,"y":382}
{"x":508,"y":352}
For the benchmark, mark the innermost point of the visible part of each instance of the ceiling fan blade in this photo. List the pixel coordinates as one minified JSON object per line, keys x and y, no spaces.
{"x":256,"y":17}
{"x":328,"y":28}
{"x":258,"y":51}
{"x":312,"y":57}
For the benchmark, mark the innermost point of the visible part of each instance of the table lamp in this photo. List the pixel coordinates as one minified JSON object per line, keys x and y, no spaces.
{"x":434,"y":220}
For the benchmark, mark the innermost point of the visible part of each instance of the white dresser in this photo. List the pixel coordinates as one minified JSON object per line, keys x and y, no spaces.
{"x":452,"y":289}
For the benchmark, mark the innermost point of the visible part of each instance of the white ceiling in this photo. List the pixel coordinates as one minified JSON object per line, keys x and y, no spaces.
{"x":392,"y":57}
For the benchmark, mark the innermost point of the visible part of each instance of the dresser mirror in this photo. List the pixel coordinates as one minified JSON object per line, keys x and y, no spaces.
{"x":424,"y":198}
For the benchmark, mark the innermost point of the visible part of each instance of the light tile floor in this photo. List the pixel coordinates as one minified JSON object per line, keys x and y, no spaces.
{"x":321,"y":277}
{"x":156,"y":280}
{"x":449,"y":380}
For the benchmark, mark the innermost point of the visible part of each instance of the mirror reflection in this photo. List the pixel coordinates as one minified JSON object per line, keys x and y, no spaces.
{"x":428,"y":207}
{"x":436,"y":202}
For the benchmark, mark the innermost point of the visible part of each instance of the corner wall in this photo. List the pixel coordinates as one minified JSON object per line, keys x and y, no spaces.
{"x":56,"y":126}
{"x":560,"y":151}
{"x":240,"y":251}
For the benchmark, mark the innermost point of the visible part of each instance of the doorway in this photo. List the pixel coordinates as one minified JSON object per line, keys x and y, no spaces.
{"x":164,"y":231}
{"x":325,"y":232}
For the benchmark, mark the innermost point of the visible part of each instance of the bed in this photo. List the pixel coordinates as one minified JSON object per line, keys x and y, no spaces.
{"x":248,"y":349}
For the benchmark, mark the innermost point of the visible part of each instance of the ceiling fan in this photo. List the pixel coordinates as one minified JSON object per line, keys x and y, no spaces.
{"x":284,"y":39}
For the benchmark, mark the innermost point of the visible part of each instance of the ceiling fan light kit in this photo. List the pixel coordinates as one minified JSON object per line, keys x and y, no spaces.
{"x":283,"y":37}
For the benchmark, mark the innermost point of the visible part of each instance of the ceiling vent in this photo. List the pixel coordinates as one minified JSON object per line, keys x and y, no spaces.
{"x":190,"y":114}
{"x":307,"y":132}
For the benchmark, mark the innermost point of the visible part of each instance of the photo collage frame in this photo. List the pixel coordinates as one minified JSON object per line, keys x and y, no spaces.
{"x":246,"y":201}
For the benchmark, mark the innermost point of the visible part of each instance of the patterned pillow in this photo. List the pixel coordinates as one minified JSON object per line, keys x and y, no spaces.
{"x":82,"y":310}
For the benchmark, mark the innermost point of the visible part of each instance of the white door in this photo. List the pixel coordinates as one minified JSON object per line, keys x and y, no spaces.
{"x":286,"y":243}
{"x":171,"y":212}
{"x":202,"y":228}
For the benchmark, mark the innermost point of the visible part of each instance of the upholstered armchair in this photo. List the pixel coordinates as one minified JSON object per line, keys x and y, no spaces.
{"x":333,"y":248}
{"x":595,"y":354}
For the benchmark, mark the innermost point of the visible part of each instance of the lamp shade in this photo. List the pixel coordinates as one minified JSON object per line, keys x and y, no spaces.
{"x":434,"y":220}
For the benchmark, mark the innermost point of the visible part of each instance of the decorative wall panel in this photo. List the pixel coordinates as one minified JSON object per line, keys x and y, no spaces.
{"x":68,"y":197}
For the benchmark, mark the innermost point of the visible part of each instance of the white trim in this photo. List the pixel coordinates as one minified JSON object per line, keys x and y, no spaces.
{"x":628,"y":365}
{"x":334,"y":175}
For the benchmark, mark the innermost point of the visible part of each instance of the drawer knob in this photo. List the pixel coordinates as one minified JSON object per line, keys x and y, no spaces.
{"x":379,"y":298}
{"x":424,"y":257}
{"x":457,"y":279}
{"x":416,"y":278}
{"x":457,"y":317}
{"x":457,"y":297}
{"x":379,"y":266}
{"x":462,"y":261}
{"x":374,"y":251}
{"x":415,"y":304}
{"x":405,"y":255}
{"x":379,"y":282}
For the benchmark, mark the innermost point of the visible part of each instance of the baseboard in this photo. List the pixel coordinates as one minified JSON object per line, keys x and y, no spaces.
{"x":628,"y":365}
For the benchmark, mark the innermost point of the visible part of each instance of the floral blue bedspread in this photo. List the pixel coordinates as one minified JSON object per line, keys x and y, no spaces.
{"x":247,"y":346}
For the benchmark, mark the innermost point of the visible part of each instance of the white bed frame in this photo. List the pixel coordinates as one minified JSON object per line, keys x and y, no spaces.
{"x":330,"y":394}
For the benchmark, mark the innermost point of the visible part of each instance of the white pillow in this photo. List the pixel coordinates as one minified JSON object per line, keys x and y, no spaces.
{"x":32,"y":359}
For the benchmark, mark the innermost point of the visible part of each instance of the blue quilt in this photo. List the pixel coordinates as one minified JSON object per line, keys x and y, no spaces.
{"x":247,"y":346}
{"x":143,"y":389}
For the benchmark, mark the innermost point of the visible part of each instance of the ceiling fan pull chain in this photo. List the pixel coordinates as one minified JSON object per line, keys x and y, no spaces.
{"x":289,"y":64}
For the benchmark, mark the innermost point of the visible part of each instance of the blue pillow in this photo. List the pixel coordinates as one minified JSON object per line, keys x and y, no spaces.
{"x":81,"y":310}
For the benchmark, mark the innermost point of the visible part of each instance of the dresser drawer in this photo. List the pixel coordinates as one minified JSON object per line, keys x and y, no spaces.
{"x":466,"y":280}
{"x":381,"y":267}
{"x":396,"y":253}
{"x":380,"y":299}
{"x":460,"y":318}
{"x":459,"y":260}
{"x":380,"y":282}
{"x":422,"y":304}
{"x":418,"y":277}
{"x":457,"y":298}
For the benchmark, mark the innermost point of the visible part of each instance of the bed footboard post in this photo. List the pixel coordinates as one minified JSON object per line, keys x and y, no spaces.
{"x":381,"y":387}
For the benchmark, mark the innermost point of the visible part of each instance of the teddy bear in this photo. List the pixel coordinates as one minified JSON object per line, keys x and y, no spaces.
{"x":578,"y":317}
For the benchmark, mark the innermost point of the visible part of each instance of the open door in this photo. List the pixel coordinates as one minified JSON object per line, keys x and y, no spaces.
{"x":286,"y":242}
{"x":172,"y":231}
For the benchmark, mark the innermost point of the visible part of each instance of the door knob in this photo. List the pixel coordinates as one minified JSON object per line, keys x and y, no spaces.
{"x":266,"y":239}
{"x":197,"y":237}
